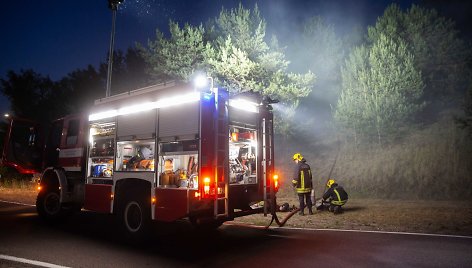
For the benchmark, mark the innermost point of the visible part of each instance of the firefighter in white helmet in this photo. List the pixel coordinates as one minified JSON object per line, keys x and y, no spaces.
{"x":302,"y":182}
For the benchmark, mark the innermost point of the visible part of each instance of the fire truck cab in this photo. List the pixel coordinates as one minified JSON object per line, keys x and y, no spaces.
{"x":164,"y":153}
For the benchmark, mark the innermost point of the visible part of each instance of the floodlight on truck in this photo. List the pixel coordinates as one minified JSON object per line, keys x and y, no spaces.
{"x":245,"y":105}
{"x":162,"y":103}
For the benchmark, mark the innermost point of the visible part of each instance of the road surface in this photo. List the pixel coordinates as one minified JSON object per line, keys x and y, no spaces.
{"x":92,"y":240}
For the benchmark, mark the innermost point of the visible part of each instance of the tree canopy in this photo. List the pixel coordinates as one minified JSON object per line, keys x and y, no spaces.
{"x":413,"y":61}
{"x":37,"y":97}
{"x":33,"y":96}
{"x":381,"y":88}
{"x":439,"y":53}
{"x":232,"y":49}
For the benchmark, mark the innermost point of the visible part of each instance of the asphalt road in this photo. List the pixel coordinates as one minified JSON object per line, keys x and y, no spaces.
{"x":93,"y":240}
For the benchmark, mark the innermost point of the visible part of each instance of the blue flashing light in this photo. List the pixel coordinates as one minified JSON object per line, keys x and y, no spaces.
{"x":206,"y":96}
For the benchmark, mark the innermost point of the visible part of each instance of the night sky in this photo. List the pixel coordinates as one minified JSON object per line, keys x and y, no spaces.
{"x":55,"y":37}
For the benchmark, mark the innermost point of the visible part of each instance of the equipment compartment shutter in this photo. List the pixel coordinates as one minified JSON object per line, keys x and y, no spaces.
{"x":180,"y":120}
{"x":240,"y":117}
{"x":141,"y":125}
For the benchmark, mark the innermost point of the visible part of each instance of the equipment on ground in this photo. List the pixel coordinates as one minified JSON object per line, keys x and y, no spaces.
{"x":285,"y":207}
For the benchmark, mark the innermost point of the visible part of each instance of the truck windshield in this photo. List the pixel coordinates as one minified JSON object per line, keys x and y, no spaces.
{"x":23,"y":150}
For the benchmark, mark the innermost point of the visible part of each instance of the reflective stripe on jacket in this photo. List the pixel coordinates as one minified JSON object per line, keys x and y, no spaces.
{"x":302,"y":180}
{"x":337,"y":194}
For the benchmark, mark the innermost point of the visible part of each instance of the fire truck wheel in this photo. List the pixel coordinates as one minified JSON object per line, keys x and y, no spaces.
{"x":48,"y":205}
{"x":136,"y":218}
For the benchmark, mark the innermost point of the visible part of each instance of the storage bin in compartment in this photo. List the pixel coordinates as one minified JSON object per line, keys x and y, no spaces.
{"x":101,"y":167}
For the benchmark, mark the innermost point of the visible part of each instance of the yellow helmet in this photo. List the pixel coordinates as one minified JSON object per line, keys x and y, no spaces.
{"x":330,"y":183}
{"x":297,"y":156}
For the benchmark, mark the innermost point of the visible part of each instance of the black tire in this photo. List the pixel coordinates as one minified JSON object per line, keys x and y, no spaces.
{"x":48,"y":205}
{"x":135,"y":218}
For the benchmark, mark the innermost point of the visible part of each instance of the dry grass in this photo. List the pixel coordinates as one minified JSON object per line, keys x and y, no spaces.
{"x":437,"y":217}
{"x":21,"y":191}
{"x":432,"y":163}
{"x":25,"y":196}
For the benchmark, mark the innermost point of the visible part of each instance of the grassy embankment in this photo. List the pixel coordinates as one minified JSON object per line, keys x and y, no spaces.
{"x":17,"y":188}
{"x":432,"y":163}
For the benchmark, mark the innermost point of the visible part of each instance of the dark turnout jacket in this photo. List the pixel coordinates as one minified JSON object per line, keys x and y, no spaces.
{"x":336,"y":194}
{"x":302,"y":177}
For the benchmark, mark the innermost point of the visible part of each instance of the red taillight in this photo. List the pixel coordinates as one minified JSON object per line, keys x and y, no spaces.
{"x":210,"y":189}
{"x":276,"y":181}
{"x":206,"y":186}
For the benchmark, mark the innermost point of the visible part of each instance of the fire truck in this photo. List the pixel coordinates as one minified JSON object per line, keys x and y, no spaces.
{"x":162,"y":153}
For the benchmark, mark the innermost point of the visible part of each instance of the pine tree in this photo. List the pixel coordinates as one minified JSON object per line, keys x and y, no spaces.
{"x":179,"y":56}
{"x":232,"y":49}
{"x":381,"y":89}
{"x":440,"y":54}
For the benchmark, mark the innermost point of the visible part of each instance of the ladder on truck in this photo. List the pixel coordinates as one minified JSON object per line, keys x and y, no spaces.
{"x":221,"y":153}
{"x":267,"y":160}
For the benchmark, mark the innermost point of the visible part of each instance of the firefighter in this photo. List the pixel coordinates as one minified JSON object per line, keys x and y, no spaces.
{"x":302,"y":182}
{"x":334,"y":198}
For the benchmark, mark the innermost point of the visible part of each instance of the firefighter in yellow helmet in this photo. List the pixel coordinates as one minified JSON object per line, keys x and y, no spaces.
{"x":302,"y":182}
{"x":334,"y":198}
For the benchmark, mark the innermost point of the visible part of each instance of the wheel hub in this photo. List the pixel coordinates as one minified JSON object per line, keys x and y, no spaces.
{"x":133,"y":216}
{"x":52,"y":203}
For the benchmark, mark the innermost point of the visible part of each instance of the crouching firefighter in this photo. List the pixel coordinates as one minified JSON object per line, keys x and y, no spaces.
{"x":302,"y":182}
{"x":334,"y":198}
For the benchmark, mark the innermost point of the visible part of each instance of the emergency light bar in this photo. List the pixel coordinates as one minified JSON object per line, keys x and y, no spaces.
{"x":245,"y":105}
{"x":166,"y":102}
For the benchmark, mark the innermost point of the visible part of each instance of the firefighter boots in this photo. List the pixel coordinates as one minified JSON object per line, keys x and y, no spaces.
{"x":337,"y":209}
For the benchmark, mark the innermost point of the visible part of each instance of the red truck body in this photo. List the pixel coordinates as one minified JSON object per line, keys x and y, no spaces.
{"x":161,"y":153}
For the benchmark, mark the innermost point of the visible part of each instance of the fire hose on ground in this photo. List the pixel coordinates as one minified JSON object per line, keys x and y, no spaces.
{"x":289,"y":215}
{"x":282,"y":223}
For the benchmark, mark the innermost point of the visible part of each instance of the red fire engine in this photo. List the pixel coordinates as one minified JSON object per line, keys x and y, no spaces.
{"x":162,"y":153}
